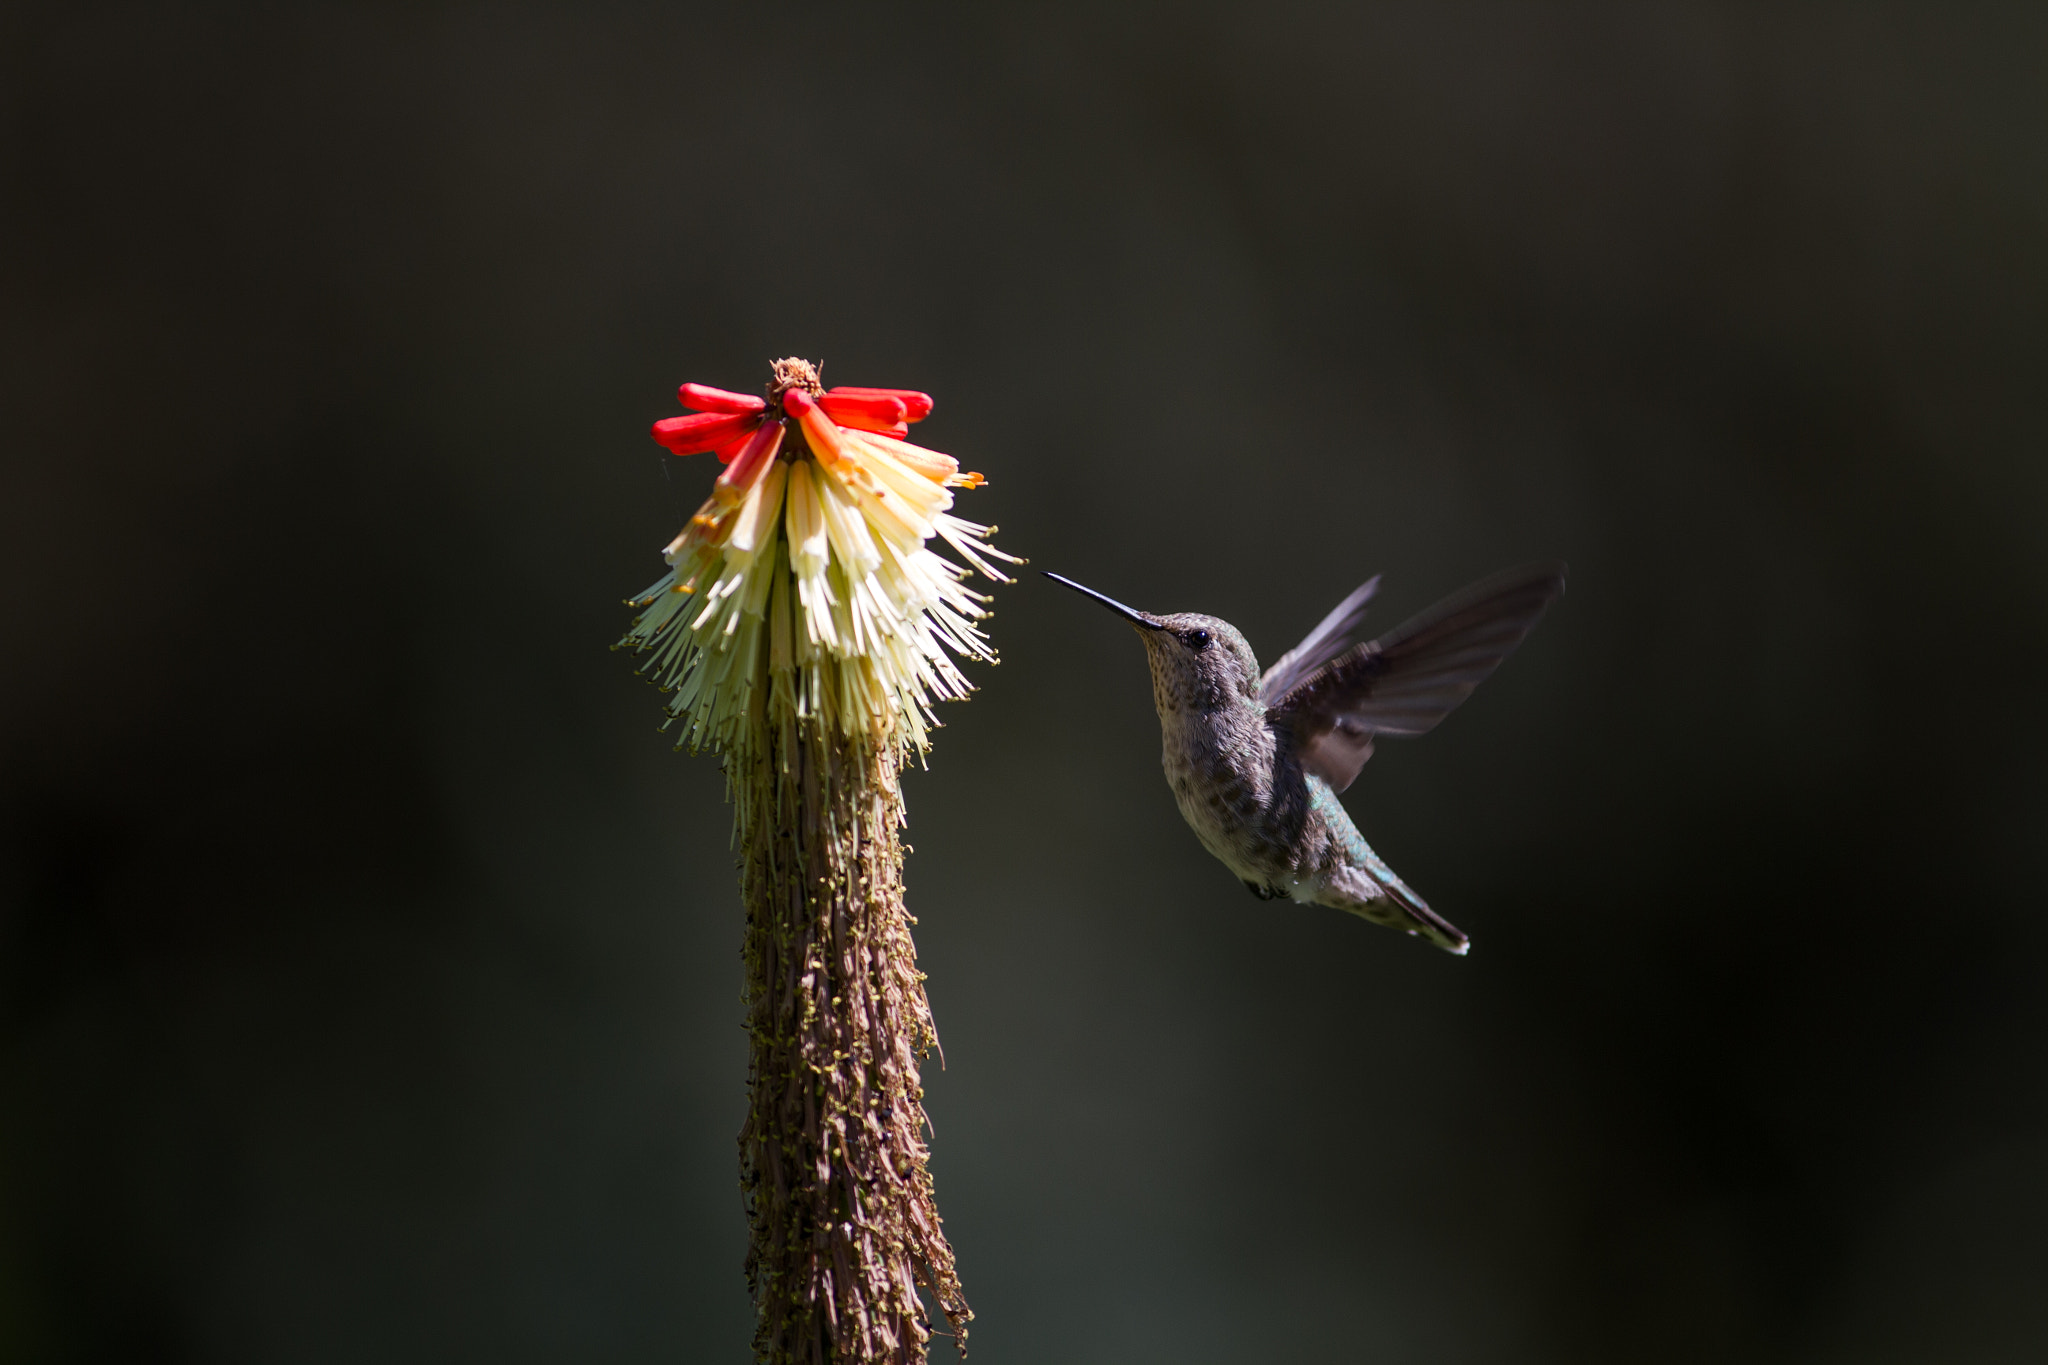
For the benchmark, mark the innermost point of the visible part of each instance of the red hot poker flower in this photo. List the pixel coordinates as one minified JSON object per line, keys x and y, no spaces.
{"x":805,"y":627}
{"x":861,"y":591}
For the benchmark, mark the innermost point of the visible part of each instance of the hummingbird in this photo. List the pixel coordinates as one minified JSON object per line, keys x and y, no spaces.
{"x":1256,"y":759}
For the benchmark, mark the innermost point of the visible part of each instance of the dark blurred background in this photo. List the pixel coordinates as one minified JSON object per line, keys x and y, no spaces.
{"x":368,"y":963}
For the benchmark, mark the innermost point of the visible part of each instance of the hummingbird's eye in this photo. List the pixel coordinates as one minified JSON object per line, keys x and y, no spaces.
{"x":1197,"y":639}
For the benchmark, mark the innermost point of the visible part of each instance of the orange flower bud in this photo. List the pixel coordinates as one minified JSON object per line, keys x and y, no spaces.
{"x":758,"y":453}
{"x":819,"y":431}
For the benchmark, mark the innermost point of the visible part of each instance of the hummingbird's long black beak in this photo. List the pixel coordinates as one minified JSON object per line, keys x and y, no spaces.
{"x":1136,"y":618}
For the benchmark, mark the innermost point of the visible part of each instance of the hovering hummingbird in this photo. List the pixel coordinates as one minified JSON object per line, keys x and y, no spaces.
{"x":1256,"y":760}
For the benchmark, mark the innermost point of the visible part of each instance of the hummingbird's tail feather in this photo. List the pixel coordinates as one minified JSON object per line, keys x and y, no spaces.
{"x":1378,"y":895}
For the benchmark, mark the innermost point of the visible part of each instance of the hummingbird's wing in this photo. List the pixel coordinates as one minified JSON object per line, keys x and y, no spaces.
{"x":1336,"y":634}
{"x":1407,"y":680}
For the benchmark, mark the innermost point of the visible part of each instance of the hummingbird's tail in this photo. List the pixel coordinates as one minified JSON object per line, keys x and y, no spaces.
{"x":1375,"y":893}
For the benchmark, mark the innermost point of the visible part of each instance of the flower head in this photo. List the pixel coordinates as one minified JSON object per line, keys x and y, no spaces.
{"x":803,"y":585}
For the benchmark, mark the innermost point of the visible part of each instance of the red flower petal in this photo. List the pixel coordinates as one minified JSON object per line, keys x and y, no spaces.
{"x":732,"y":448}
{"x":916,"y":406}
{"x":869,"y":412}
{"x":759,"y":452}
{"x":878,"y":418}
{"x":704,"y":398}
{"x":822,"y":436}
{"x":872,"y":424}
{"x":705,"y":431}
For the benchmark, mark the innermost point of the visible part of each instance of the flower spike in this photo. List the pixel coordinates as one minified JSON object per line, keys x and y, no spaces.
{"x":813,"y":551}
{"x":804,"y":629}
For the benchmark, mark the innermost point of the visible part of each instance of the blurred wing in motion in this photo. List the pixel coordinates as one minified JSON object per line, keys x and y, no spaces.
{"x":1335,"y":635}
{"x":1413,"y":676}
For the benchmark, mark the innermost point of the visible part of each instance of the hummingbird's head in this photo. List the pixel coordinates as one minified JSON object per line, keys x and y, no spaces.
{"x":1199,"y":663}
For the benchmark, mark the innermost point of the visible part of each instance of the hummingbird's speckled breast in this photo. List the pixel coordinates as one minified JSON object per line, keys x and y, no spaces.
{"x":1233,"y":779}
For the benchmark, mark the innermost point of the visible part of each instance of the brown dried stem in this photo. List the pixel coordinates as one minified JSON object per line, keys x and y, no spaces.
{"x":845,"y":1230}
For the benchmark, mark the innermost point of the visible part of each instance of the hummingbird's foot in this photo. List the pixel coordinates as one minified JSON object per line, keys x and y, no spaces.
{"x":1265,"y":893}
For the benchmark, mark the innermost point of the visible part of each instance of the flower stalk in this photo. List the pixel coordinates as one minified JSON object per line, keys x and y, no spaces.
{"x":803,"y":630}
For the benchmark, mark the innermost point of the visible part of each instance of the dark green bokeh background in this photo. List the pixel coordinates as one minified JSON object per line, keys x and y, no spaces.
{"x":368,"y":964}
